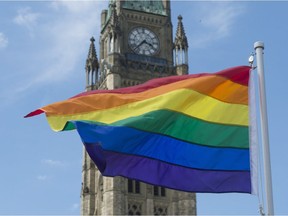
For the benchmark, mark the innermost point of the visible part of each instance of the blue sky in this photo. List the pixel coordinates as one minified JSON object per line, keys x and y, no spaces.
{"x":43,"y":47}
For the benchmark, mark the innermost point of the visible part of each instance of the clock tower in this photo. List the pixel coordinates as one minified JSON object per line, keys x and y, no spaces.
{"x":136,"y":44}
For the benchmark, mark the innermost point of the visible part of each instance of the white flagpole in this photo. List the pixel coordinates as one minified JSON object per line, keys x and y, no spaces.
{"x":259,"y":47}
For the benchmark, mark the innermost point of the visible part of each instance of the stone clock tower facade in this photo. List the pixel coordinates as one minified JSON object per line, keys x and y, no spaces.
{"x":136,"y":44}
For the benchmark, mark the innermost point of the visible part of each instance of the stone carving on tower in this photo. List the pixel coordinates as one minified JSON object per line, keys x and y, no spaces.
{"x":136,"y":44}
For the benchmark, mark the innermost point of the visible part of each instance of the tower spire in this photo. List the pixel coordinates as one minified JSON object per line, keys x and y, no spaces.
{"x":92,"y":66}
{"x":180,"y":39}
{"x":114,"y":30}
{"x":114,"y":21}
{"x":181,"y":48}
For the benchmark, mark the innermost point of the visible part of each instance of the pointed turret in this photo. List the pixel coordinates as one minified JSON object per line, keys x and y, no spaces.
{"x":181,"y":49}
{"x":180,"y":39}
{"x":92,"y":66}
{"x":114,"y":20}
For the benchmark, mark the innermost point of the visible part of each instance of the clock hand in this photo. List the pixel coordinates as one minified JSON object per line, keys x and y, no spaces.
{"x":144,"y":41}
{"x":150,"y":45}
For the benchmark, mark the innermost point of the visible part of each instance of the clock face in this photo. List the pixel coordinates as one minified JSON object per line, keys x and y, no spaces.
{"x":143,"y":41}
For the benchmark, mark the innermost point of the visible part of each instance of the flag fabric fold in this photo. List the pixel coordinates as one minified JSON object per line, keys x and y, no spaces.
{"x":188,"y":133}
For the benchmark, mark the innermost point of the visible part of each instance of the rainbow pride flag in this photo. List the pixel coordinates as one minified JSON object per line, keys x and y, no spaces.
{"x":188,"y":133}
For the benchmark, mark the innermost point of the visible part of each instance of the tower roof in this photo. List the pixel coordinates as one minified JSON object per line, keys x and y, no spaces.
{"x":92,"y":60}
{"x":155,"y":6}
{"x":180,"y":39}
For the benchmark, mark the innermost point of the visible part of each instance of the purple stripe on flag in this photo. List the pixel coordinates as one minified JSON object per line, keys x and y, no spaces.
{"x":168,"y":175}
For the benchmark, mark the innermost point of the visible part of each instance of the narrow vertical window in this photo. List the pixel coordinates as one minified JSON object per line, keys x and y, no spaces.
{"x":137,"y":187}
{"x":156,"y":191}
{"x":163,"y":192}
{"x":130,"y":186}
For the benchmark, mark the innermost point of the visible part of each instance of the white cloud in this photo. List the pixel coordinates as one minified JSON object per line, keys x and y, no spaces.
{"x":74,"y":6}
{"x":25,"y":17}
{"x":54,"y":163}
{"x":68,"y":29}
{"x":217,"y":22}
{"x":3,"y":40}
{"x":42,"y":177}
